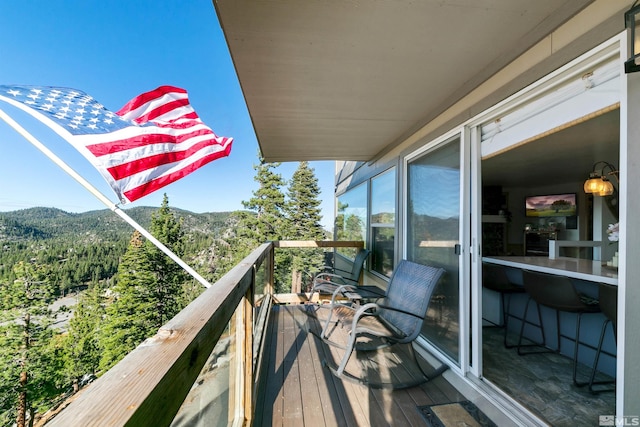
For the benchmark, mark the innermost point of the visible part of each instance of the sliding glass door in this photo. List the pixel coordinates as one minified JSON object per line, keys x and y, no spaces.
{"x":433,"y":236}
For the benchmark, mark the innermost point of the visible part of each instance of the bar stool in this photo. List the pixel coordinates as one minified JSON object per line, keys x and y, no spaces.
{"x":558,"y":293}
{"x":608,"y":297}
{"x":494,"y":277}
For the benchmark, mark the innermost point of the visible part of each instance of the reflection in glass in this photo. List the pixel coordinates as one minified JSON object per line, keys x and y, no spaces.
{"x":351,"y":220}
{"x":382,"y":240}
{"x":212,"y":396}
{"x":433,"y":221}
{"x":383,"y":217}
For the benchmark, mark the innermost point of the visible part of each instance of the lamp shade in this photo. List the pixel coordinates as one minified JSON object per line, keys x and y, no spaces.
{"x":593,"y":184}
{"x":606,"y":189}
{"x":598,"y":183}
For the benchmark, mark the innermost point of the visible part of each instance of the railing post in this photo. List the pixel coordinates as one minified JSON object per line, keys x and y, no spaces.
{"x":270,"y":269}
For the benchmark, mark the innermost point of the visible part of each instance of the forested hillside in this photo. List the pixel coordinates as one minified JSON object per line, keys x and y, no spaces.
{"x":123,"y":287}
{"x":85,"y":247}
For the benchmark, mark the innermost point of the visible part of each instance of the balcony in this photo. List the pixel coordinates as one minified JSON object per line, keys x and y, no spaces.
{"x":239,"y":355}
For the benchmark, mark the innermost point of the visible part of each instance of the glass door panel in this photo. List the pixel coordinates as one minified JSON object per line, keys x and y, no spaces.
{"x":433,"y":237}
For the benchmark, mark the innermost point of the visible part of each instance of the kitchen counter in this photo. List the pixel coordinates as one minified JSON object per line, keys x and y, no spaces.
{"x":576,"y":268}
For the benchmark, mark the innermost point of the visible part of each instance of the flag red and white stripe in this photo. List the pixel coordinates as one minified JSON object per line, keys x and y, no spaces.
{"x":154,"y":140}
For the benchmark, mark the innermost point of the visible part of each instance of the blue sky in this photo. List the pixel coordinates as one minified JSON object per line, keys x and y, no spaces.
{"x":115,"y":51}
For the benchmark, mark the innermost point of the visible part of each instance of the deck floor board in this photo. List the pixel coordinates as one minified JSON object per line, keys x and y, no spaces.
{"x":300,"y":391}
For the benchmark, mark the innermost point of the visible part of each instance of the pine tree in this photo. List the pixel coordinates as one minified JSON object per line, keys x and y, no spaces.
{"x":268,"y":202}
{"x":81,"y":344}
{"x":266,"y":222}
{"x":28,"y":378}
{"x":132,"y":316}
{"x":148,"y":288}
{"x":348,"y":227}
{"x":168,"y":274}
{"x":303,"y":222}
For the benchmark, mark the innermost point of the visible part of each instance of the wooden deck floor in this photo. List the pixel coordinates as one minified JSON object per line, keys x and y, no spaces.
{"x":298,"y":391}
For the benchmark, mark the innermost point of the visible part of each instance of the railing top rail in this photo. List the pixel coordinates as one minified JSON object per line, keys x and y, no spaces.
{"x":319,"y":244}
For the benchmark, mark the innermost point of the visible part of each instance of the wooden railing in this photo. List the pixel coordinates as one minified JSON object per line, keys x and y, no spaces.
{"x":149,"y":386}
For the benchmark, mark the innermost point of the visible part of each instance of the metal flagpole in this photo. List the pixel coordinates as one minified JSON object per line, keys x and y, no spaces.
{"x":114,"y":207}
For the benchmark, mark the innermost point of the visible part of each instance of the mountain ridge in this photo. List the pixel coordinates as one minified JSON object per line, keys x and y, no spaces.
{"x":41,"y":223}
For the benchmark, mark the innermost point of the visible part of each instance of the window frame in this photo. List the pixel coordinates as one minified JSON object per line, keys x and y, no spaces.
{"x":374,"y":226}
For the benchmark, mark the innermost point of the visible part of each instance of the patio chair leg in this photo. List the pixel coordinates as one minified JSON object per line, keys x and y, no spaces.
{"x":439,"y":371}
{"x":347,"y":354}
{"x":340,"y":372}
{"x":325,"y":328}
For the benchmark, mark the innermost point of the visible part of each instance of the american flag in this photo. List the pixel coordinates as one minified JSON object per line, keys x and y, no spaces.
{"x":154,"y":140}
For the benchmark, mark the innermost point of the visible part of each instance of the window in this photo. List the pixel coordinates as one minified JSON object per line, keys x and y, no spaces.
{"x":351,"y":219}
{"x":433,"y":233}
{"x":383,"y":218}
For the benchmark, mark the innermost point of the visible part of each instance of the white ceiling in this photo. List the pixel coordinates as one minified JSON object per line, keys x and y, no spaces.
{"x":564,"y":156}
{"x":345,"y":79}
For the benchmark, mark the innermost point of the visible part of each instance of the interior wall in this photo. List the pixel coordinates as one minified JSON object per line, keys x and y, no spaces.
{"x":590,"y":226}
{"x":516,"y":202}
{"x":516,"y":206}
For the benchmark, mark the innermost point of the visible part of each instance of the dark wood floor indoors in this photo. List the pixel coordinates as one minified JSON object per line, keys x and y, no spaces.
{"x":298,"y":391}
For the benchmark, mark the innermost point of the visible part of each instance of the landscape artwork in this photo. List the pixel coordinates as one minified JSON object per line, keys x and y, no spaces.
{"x":551,"y":205}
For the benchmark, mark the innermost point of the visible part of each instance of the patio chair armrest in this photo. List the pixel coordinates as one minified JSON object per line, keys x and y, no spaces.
{"x":334,"y":279}
{"x":332,"y":305}
{"x":340,"y":290}
{"x":361,"y":311}
{"x":341,"y":270}
{"x":334,"y":285}
{"x":322,"y":276}
{"x":327,"y":269}
{"x":364,"y":310}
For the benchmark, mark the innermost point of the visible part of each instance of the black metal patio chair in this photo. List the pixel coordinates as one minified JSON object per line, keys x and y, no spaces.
{"x":332,"y":278}
{"x":396,"y":318}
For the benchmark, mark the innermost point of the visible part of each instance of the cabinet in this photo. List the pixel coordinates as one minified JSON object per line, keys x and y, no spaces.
{"x":536,"y":243}
{"x":494,"y":235}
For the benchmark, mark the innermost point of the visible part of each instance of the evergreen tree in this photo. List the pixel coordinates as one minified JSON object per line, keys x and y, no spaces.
{"x":228,"y":249}
{"x":168,"y":274}
{"x":81,"y":344}
{"x":266,"y":222}
{"x":148,"y":288}
{"x":348,"y":227}
{"x":28,"y":378}
{"x":303,"y":222}
{"x":268,"y":202}
{"x":132,"y":316}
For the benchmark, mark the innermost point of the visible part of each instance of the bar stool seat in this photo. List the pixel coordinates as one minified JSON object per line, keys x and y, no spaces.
{"x":557,"y":293}
{"x":608,"y":297}
{"x":494,"y":277}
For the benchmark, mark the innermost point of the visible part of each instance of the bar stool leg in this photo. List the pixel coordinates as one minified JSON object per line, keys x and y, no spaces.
{"x":505,"y":319}
{"x":597,"y":360}
{"x":559,"y":334}
{"x":540,"y":325}
{"x":524,"y":320}
{"x":575,"y":354}
{"x":505,"y":304}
